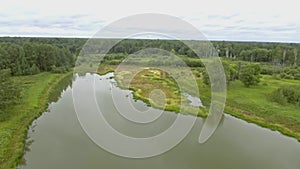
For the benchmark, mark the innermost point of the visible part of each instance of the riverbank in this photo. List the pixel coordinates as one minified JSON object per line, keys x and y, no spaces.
{"x":156,"y":79}
{"x":250,"y":104}
{"x":36,"y":91}
{"x":255,"y":106}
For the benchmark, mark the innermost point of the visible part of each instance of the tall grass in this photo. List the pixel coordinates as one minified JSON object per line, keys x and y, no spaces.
{"x":35,"y":98}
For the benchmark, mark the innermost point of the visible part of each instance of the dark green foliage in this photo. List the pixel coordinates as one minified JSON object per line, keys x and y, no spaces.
{"x":193,"y":62}
{"x":205,"y":78}
{"x":250,"y":74}
{"x":72,"y":44}
{"x":267,"y":69}
{"x":283,"y":54}
{"x":31,"y":58}
{"x":4,"y":59}
{"x":286,"y":76}
{"x":60,"y":69}
{"x":130,"y":46}
{"x":274,"y":56}
{"x":256,"y":54}
{"x":20,"y":54}
{"x":33,"y":70}
{"x":9,"y":92}
{"x":231,"y":71}
{"x":14,"y":58}
{"x":287,"y":94}
{"x":28,"y":56}
{"x":297,"y":76}
{"x":246,"y":51}
{"x":291,"y":73}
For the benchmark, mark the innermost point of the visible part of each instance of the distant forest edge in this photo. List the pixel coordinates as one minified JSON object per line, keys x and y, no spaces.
{"x":27,"y":55}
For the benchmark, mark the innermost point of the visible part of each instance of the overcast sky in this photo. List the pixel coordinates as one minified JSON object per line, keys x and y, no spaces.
{"x":246,"y":20}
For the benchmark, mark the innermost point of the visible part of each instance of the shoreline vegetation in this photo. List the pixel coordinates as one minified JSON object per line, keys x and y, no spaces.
{"x":37,"y":92}
{"x":246,"y":108}
{"x":158,"y":79}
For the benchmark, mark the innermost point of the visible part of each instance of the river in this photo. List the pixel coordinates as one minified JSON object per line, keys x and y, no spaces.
{"x":58,"y":141}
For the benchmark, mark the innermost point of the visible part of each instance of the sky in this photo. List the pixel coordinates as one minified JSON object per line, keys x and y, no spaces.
{"x":234,"y":20}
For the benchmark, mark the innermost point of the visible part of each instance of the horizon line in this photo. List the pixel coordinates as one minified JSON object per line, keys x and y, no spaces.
{"x":145,"y":38}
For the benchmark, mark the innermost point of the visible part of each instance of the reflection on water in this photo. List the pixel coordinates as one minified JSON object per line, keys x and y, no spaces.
{"x":59,"y":142}
{"x":60,"y":87}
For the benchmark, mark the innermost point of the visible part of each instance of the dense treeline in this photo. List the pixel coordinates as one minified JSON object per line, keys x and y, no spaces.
{"x":28,"y":56}
{"x":276,"y":53}
{"x":279,"y":53}
{"x":133,"y":45}
{"x":73,"y":44}
{"x":25,"y":56}
{"x":31,"y":55}
{"x":275,"y":58}
{"x":31,"y":58}
{"x":247,"y":73}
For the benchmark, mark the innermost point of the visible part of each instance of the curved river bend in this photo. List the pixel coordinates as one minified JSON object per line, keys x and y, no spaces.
{"x":59,"y":141}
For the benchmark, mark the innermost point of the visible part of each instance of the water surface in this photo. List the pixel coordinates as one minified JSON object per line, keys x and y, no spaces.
{"x":59,"y":141}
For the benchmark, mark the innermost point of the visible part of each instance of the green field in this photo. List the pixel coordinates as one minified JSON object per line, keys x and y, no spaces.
{"x":36,"y":92}
{"x":254,"y":105}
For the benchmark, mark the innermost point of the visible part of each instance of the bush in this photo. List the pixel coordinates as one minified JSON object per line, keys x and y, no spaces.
{"x":291,"y":73}
{"x":10,"y":93}
{"x":267,"y":70}
{"x":250,"y":74}
{"x":297,"y":76}
{"x":276,"y":76}
{"x":287,"y":94}
{"x":34,"y":70}
{"x":61,"y":69}
{"x":286,"y":76}
{"x":205,"y":78}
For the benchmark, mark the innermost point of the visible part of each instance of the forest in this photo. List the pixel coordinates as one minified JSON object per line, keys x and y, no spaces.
{"x":29,"y":56}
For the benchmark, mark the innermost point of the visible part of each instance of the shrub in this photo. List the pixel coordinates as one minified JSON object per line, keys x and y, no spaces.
{"x":267,"y":70}
{"x":205,"y":78}
{"x":297,"y":76}
{"x":250,"y":74}
{"x":291,"y":73}
{"x":10,"y":93}
{"x":286,"y":76}
{"x":34,"y":70}
{"x":287,"y":94}
{"x":61,"y":69}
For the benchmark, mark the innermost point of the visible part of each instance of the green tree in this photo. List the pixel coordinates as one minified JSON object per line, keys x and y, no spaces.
{"x":205,"y":78}
{"x":4,"y":59}
{"x":250,"y":74}
{"x":231,"y":71}
{"x":9,"y":92}
{"x":34,"y":70}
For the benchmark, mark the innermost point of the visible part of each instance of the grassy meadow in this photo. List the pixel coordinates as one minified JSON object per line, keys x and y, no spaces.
{"x":35,"y":92}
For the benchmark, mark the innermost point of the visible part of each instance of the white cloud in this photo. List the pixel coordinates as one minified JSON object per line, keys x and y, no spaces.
{"x":218,"y":19}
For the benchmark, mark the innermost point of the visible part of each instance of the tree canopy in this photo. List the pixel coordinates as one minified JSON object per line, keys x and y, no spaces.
{"x":9,"y":91}
{"x":250,"y":74}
